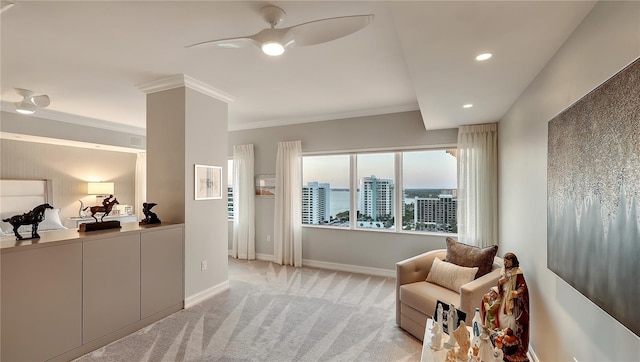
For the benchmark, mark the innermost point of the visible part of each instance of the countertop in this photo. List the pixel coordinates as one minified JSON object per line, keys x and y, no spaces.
{"x":9,"y":243}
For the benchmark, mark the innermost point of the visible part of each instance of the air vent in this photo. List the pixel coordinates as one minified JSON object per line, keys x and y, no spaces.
{"x":135,"y":141}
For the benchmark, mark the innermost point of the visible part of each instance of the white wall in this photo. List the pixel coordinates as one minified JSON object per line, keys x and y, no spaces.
{"x":69,"y":168}
{"x":370,"y":251}
{"x":83,"y":130}
{"x":184,"y":128}
{"x":564,"y":324}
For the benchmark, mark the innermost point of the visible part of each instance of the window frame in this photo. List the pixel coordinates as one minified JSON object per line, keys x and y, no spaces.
{"x":398,"y":191}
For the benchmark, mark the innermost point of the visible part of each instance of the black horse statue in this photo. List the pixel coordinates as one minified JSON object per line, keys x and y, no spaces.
{"x":33,"y":218}
{"x":150,"y":217}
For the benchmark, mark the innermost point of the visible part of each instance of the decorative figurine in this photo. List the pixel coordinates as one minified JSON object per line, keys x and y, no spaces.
{"x":81,"y":212}
{"x":485,"y":348}
{"x":105,"y":209}
{"x":498,"y":355}
{"x":439,"y":316}
{"x":475,"y":353}
{"x":490,"y":305}
{"x":512,"y":312}
{"x":463,"y":338}
{"x":510,"y":345}
{"x":436,"y":337}
{"x":33,"y":218}
{"x":451,"y":356}
{"x":452,"y":317}
{"x":149,"y":216}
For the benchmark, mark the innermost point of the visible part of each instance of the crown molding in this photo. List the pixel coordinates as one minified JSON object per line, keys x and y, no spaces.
{"x":76,"y":119}
{"x":183,"y":80}
{"x":68,"y":143}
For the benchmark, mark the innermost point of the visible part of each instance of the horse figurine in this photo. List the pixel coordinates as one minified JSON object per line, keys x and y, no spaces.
{"x":150,"y":217}
{"x":82,"y":210}
{"x":33,"y":218}
{"x":106,"y":207}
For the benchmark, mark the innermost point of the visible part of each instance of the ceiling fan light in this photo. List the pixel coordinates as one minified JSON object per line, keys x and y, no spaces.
{"x":272,"y":48}
{"x":483,"y":56}
{"x":26,"y":107}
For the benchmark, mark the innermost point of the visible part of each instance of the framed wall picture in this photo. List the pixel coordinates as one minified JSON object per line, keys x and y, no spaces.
{"x":266,"y":185}
{"x":208,"y":183}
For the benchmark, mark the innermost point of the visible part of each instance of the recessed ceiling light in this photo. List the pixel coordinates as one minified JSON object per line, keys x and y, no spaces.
{"x":468,"y":105}
{"x":484,"y":56}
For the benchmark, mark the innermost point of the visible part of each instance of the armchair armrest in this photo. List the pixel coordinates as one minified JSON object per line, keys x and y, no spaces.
{"x":416,"y":268}
{"x":413,"y":270}
{"x":471,"y":293}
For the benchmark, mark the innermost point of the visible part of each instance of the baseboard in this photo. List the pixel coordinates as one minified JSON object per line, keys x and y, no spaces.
{"x":349,"y":268}
{"x":532,"y":355}
{"x":208,"y":293}
{"x":265,"y":257}
{"x":336,"y":266}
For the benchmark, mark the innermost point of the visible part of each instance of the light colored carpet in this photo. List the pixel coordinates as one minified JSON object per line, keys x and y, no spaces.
{"x":277,"y":313}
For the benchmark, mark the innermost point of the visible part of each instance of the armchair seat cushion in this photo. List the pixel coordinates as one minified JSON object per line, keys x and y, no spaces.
{"x":422,"y":296}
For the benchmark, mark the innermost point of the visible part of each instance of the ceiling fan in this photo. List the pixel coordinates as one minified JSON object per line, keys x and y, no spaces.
{"x":274,"y":41}
{"x":30,"y":103}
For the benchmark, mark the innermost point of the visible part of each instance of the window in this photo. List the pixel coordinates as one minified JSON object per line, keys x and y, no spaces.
{"x":404,"y":191}
{"x":376,"y":185}
{"x":325,"y":190}
{"x":230,"y":189}
{"x":429,"y":191}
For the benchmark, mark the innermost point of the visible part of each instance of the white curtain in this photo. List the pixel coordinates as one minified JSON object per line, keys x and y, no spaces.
{"x":287,"y":246}
{"x":141,"y":184}
{"x":478,"y":184}
{"x":244,"y":240}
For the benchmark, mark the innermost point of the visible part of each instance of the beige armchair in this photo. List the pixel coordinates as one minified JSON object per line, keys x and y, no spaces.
{"x":416,"y":298}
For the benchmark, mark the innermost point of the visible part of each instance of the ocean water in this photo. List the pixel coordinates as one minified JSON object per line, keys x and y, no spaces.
{"x":338,"y":201}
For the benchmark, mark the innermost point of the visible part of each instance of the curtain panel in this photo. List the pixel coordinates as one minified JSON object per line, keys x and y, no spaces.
{"x":287,"y":246}
{"x":140,"y":184}
{"x":478,"y":184}
{"x":244,"y":240}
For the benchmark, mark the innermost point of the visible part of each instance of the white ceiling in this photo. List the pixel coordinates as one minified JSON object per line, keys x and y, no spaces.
{"x":90,"y":56}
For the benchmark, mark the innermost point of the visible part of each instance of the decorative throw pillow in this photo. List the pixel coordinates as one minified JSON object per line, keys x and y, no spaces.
{"x":449,"y":275}
{"x":471,"y":256}
{"x":51,"y":221}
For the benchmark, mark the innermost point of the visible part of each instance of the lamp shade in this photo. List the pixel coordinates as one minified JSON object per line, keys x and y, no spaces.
{"x":100,"y":188}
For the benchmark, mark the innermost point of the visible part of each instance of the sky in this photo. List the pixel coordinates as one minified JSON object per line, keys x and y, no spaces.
{"x":422,"y":169}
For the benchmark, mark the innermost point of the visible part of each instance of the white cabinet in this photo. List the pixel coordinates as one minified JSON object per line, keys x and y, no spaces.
{"x":70,"y":293}
{"x":41,"y":302}
{"x":74,"y":222}
{"x":161,"y":271}
{"x":110,"y":285}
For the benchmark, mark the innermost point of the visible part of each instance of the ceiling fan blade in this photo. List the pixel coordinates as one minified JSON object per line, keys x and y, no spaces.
{"x":23,"y":92}
{"x":241,"y":42}
{"x":41,"y":101}
{"x":324,"y":30}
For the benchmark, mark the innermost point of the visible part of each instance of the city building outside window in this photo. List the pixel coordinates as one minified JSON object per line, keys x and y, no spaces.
{"x":426,"y":185}
{"x":230,"y":189}
{"x":325,"y":191}
{"x":376,"y":189}
{"x":429,"y":191}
